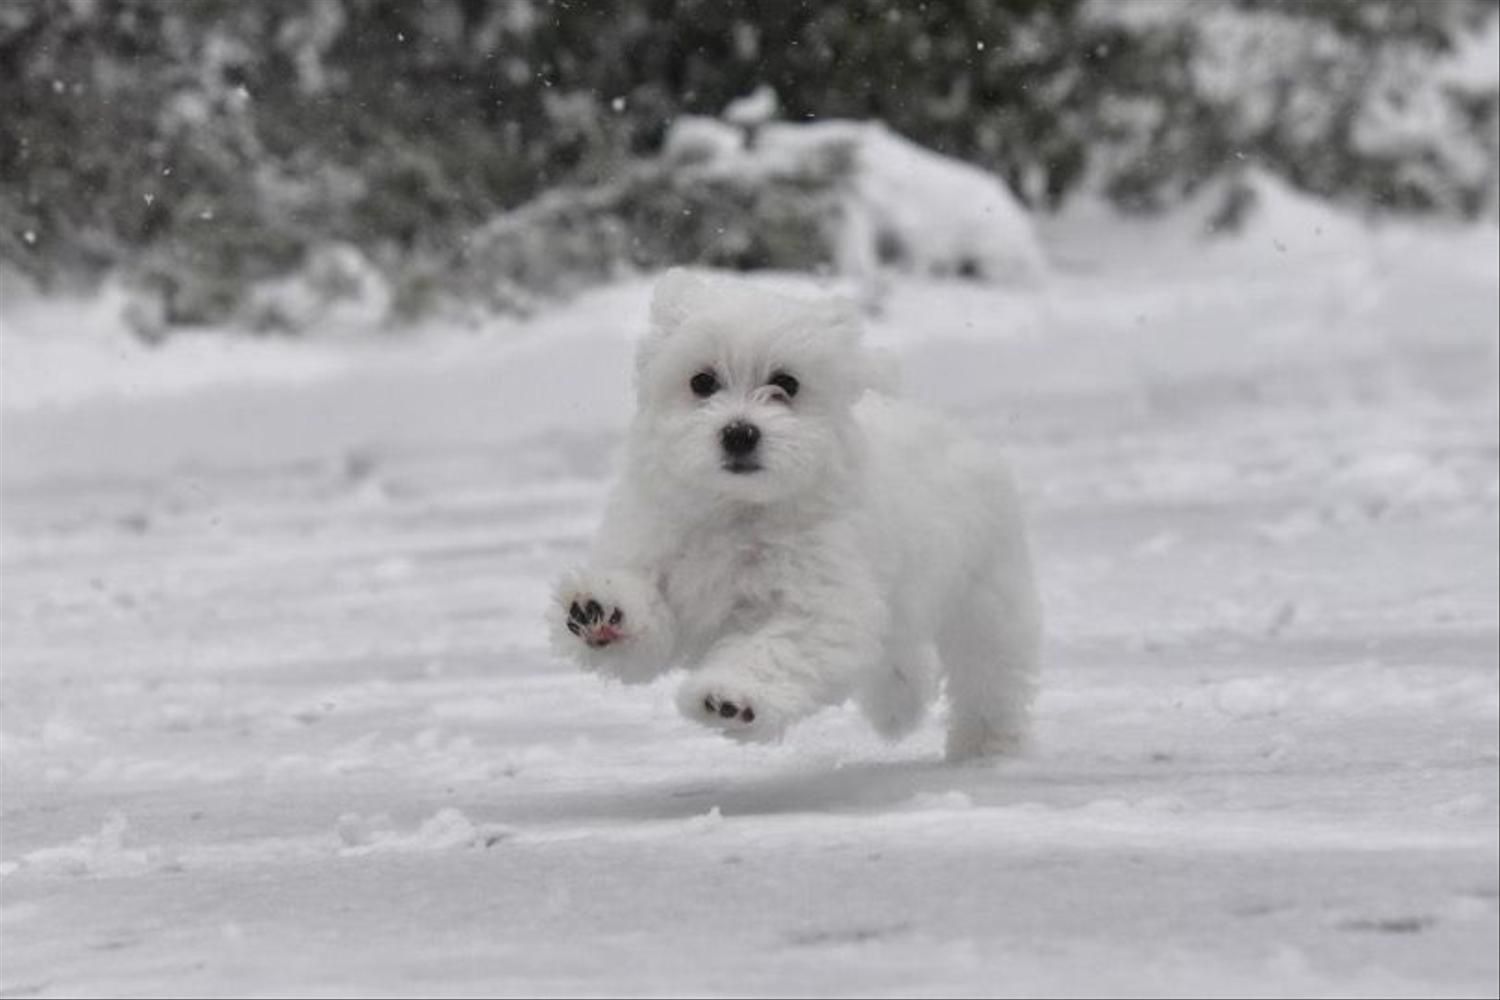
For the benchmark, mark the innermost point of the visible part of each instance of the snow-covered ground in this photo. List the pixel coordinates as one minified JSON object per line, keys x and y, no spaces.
{"x":279,"y":719}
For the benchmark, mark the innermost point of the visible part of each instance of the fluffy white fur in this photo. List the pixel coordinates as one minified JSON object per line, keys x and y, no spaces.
{"x":874,"y":549}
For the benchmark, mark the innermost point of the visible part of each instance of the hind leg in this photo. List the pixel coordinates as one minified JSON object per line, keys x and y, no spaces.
{"x":895,"y":696}
{"x":990,"y":647}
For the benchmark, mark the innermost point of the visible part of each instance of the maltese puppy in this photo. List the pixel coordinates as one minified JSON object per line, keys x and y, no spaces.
{"x":795,"y":536}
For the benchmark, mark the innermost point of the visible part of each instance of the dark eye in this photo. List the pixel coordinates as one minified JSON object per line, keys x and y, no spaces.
{"x":785,"y":383}
{"x":704,"y":384}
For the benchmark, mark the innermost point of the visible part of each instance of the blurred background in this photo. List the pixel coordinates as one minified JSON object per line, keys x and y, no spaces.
{"x":316,"y":333}
{"x":454,"y":156}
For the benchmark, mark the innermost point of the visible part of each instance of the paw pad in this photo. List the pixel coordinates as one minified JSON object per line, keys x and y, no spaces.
{"x":728,"y":709}
{"x":587,"y":620}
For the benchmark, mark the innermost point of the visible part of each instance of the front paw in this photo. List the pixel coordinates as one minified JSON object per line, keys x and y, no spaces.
{"x":594,"y":623}
{"x":611,"y":622}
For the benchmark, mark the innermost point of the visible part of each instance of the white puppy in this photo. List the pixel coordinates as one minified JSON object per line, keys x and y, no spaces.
{"x":794,"y":537}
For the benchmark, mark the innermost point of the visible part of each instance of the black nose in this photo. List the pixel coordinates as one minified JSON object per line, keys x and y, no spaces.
{"x":739,"y":438}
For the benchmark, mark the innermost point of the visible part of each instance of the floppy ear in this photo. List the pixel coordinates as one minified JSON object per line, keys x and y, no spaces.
{"x":674,"y":299}
{"x":677,"y":295}
{"x":874,"y":369}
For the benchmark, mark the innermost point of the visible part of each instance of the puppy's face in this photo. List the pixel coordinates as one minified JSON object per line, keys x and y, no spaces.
{"x":745,"y":394}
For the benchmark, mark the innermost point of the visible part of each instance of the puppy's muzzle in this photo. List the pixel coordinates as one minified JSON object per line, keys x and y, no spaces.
{"x":739,"y":441}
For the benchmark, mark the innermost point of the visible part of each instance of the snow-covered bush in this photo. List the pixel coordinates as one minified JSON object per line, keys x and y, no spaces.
{"x":906,"y":207}
{"x":1384,"y":106}
{"x":848,"y":198}
{"x":657,"y":212}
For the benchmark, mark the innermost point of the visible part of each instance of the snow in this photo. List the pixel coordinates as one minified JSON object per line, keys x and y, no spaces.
{"x":337,"y":291}
{"x":904,"y":207}
{"x":756,"y":108}
{"x":278,"y":716}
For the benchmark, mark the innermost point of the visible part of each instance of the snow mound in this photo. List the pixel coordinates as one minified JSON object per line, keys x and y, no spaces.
{"x":446,"y":830}
{"x":338,"y":290}
{"x":1289,"y":221}
{"x":902,"y":206}
{"x":104,"y":854}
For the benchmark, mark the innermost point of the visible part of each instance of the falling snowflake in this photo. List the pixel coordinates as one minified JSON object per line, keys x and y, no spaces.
{"x":618,"y":104}
{"x":29,"y":236}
